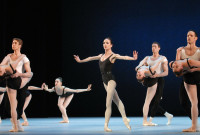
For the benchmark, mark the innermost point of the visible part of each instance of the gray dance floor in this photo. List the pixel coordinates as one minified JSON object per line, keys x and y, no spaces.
{"x":94,"y":126}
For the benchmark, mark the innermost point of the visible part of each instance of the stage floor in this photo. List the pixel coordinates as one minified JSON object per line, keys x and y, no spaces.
{"x":94,"y":126}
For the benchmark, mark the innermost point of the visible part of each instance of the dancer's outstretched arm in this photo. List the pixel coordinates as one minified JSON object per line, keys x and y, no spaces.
{"x":34,"y":88}
{"x":45,"y":87}
{"x":143,"y":62}
{"x":78,"y":90}
{"x":76,"y":57}
{"x":117,"y":56}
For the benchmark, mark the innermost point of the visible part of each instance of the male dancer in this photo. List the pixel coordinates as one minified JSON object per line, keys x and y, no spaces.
{"x":155,"y":84}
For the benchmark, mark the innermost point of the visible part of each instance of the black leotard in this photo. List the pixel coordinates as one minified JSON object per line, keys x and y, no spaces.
{"x":192,"y":78}
{"x":13,"y":83}
{"x":106,"y":70}
{"x":64,"y":94}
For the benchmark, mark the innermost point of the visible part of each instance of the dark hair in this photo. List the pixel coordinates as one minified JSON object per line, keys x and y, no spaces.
{"x":60,"y":78}
{"x":19,"y":40}
{"x":194,"y":33}
{"x":109,"y":39}
{"x":171,"y":64}
{"x":140,"y":80}
{"x":178,"y":74}
{"x":156,"y":43}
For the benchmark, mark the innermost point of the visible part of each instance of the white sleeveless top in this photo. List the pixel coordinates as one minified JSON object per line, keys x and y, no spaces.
{"x":195,"y":56}
{"x":159,"y":69}
{"x":20,"y":66}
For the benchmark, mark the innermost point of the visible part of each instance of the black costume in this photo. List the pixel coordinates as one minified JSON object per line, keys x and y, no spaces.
{"x":106,"y":70}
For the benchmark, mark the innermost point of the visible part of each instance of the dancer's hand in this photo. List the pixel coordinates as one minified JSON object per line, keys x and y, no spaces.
{"x":89,"y":87}
{"x":44,"y":86}
{"x":17,"y":74}
{"x":76,"y":57}
{"x":135,"y":55}
{"x":154,"y":76}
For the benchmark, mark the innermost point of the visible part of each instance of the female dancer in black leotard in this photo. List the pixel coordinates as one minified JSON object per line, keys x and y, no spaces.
{"x":106,"y":62}
{"x":65,"y":96}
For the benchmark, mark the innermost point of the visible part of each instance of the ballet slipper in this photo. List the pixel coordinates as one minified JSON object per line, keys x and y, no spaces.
{"x":14,"y":128}
{"x":64,"y":121}
{"x":126,"y":122}
{"x":20,"y":128}
{"x":149,"y":124}
{"x":189,"y":130}
{"x":106,"y":129}
{"x":25,"y":123}
{"x":169,"y":117}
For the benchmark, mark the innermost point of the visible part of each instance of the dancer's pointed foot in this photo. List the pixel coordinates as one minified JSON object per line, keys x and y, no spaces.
{"x":25,"y":123}
{"x":192,"y":129}
{"x":126,"y":122}
{"x":169,"y":118}
{"x":106,"y":129}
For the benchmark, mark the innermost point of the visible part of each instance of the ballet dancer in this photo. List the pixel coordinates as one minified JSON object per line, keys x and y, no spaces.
{"x":188,"y":90}
{"x":65,"y":96}
{"x":17,"y":82}
{"x":152,"y":76}
{"x":106,"y":62}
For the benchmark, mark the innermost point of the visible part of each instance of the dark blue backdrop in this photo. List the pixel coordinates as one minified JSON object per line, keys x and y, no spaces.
{"x":133,"y":25}
{"x":53,"y":31}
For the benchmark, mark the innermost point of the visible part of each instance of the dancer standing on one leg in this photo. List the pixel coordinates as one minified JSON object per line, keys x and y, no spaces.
{"x":65,"y":96}
{"x":19,"y":91}
{"x":188,"y":90}
{"x":106,"y":62}
{"x":155,"y":84}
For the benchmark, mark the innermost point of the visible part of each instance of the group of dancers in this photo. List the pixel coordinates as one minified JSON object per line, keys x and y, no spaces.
{"x":15,"y":70}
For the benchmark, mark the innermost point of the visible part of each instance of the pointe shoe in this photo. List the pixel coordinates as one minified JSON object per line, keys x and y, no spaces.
{"x":169,"y":119}
{"x":106,"y":129}
{"x":126,"y":122}
{"x":20,"y":128}
{"x":25,"y":123}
